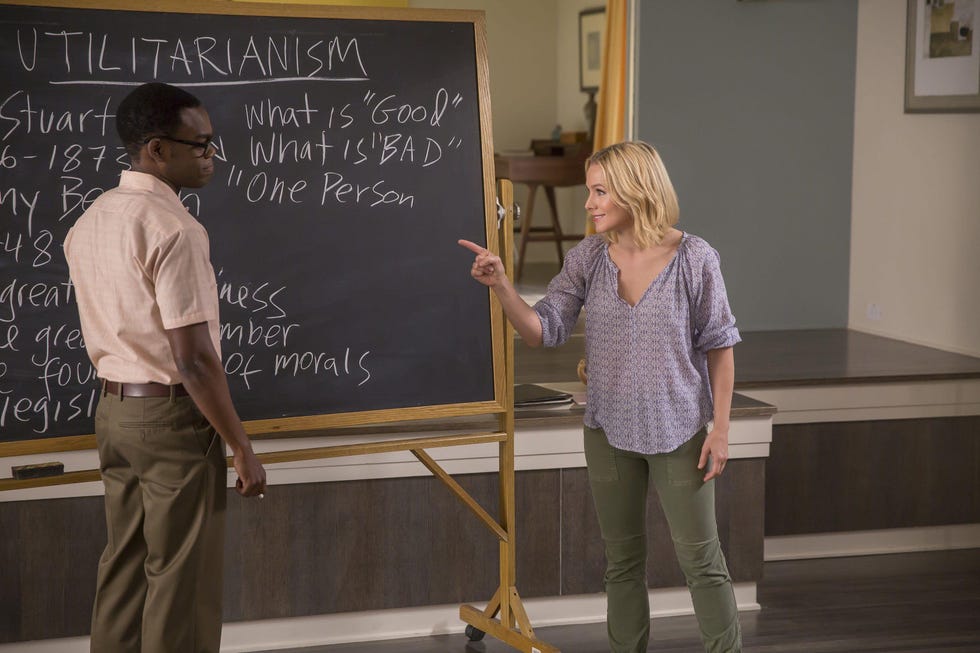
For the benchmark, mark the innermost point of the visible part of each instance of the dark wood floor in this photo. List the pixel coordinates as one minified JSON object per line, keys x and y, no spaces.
{"x":909,"y":603}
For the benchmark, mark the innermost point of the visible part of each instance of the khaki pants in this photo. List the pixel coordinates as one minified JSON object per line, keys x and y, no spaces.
{"x":620,"y":481}
{"x":160,"y":576}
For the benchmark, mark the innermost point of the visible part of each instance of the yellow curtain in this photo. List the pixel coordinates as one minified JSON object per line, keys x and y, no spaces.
{"x":361,"y":3}
{"x":611,"y":111}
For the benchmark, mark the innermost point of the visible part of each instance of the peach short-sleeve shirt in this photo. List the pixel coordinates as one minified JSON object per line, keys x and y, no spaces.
{"x":140,"y":264}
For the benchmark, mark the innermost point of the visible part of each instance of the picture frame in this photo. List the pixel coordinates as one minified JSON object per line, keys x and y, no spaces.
{"x":591,"y":42}
{"x":942,"y":56}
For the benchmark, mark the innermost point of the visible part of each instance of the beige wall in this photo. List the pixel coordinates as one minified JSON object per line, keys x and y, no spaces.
{"x":915,"y":221}
{"x":571,"y":110}
{"x":533,"y":58}
{"x":522,"y":55}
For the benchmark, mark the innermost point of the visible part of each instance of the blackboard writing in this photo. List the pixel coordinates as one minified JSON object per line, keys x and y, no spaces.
{"x":349,"y":160}
{"x":192,"y":60}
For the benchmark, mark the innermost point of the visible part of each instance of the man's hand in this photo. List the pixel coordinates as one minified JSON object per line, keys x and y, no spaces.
{"x":204,"y":378}
{"x":251,"y":474}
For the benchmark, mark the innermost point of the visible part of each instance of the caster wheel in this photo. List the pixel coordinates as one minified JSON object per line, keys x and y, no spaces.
{"x":474,"y":634}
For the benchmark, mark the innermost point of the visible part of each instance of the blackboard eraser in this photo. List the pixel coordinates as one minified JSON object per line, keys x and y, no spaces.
{"x":40,"y":470}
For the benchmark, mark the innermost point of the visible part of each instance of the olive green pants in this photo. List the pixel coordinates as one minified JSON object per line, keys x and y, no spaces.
{"x":160,"y":577}
{"x":620,"y":480}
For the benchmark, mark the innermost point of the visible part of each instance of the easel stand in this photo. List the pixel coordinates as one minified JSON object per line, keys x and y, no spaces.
{"x":504,"y":617}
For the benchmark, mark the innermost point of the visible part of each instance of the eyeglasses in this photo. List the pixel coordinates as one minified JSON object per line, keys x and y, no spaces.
{"x":201,"y":149}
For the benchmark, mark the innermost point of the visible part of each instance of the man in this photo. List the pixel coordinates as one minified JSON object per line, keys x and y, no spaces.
{"x":148,"y":304}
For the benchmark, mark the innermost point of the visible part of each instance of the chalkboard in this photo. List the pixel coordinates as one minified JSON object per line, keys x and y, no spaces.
{"x":353,"y":153}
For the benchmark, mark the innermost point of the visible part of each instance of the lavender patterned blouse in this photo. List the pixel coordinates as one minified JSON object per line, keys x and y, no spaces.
{"x":647,"y":364}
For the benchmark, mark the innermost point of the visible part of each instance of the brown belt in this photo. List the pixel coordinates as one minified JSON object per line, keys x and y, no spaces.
{"x":143,"y":389}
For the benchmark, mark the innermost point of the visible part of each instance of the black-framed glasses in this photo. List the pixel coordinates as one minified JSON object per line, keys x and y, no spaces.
{"x":201,"y":149}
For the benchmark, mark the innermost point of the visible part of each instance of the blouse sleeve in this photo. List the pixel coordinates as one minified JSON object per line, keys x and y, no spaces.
{"x":714,"y":324}
{"x":558,"y":310}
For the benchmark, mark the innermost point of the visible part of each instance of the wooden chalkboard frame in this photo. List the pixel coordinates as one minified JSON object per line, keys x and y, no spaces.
{"x":313,"y":423}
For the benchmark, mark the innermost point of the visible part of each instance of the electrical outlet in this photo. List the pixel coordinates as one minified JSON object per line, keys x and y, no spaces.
{"x":874,"y":312}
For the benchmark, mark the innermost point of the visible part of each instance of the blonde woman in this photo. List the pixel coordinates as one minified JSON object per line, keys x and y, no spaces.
{"x":659,"y":334}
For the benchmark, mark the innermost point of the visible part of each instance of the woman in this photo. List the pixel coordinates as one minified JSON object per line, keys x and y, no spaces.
{"x":659,"y":335}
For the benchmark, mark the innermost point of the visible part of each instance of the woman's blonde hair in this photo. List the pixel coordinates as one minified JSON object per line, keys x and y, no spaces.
{"x":637,"y":181}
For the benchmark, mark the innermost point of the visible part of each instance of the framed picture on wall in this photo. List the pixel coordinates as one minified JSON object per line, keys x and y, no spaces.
{"x":591,"y":27}
{"x":942,"y":56}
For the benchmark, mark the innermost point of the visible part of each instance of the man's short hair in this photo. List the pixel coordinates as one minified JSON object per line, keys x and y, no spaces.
{"x":151,"y":110}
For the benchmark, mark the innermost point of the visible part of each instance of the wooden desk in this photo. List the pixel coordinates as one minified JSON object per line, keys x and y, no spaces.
{"x":549,"y":172}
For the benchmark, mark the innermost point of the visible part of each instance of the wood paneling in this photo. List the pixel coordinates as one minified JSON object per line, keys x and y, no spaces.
{"x":847,"y":476}
{"x":739,"y":504}
{"x":322,"y":548}
{"x":358,"y":545}
{"x":50,"y":552}
{"x":581,"y":543}
{"x":539,"y":526}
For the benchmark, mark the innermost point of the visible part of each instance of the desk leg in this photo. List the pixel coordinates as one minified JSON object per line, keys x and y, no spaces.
{"x":532,"y":190}
{"x":549,"y":191}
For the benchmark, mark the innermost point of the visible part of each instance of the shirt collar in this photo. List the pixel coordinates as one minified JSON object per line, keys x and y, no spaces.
{"x":133,"y":180}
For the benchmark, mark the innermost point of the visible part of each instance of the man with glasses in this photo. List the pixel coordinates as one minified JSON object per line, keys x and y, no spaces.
{"x":148,"y":304}
{"x":205,"y":148}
